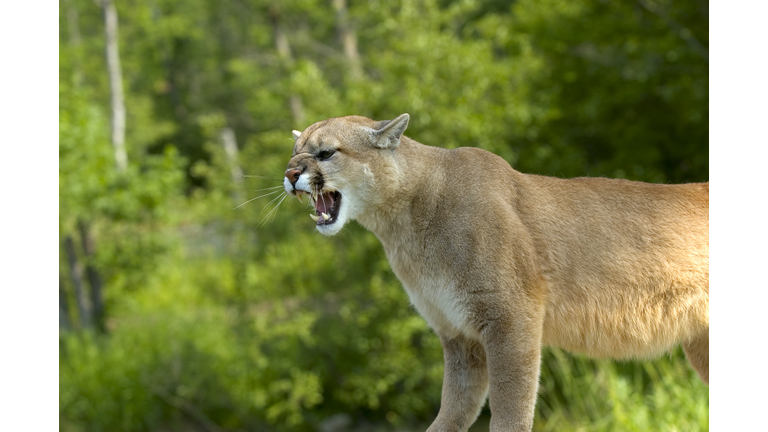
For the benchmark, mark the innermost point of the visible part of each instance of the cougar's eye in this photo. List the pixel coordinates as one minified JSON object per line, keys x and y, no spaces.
{"x":325,"y":154}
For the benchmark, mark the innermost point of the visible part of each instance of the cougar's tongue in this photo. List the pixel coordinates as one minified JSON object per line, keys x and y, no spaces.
{"x":324,"y":203}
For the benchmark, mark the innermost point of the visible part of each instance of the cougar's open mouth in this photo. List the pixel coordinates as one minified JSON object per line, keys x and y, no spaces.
{"x":327,"y":206}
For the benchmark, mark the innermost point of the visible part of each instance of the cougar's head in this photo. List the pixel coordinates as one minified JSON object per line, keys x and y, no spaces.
{"x":343,"y":165}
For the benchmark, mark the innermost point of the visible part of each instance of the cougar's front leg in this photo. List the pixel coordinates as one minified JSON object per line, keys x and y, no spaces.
{"x":513,"y":350}
{"x":465,"y":385}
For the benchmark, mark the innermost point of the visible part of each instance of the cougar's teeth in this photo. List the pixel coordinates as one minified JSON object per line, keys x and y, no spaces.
{"x":314,"y":196}
{"x":299,"y":196}
{"x":314,"y":217}
{"x":325,"y":216}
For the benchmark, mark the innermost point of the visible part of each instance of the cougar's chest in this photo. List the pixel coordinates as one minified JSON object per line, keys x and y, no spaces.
{"x":434,"y":294}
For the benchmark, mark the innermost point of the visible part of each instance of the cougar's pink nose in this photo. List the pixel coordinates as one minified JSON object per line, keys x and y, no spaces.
{"x":293,"y":175}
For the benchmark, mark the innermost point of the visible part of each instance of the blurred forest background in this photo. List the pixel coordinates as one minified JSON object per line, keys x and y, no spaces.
{"x":190,"y":300}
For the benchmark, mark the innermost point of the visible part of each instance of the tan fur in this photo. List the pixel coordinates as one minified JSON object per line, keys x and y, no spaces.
{"x":501,"y":263}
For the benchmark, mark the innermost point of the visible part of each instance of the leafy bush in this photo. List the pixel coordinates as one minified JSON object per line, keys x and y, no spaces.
{"x":577,"y":393}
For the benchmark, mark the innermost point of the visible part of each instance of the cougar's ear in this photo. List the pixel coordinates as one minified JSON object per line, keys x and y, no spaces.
{"x":296,"y":135}
{"x":387,"y":133}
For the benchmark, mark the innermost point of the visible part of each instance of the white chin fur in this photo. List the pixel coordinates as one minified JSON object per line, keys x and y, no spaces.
{"x":332,"y":229}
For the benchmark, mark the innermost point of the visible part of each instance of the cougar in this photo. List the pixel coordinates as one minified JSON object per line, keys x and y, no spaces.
{"x":501,"y":263}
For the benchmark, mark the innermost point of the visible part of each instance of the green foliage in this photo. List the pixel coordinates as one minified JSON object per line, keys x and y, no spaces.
{"x":577,"y":394}
{"x":225,"y":308}
{"x":627,"y":91}
{"x":177,"y":350}
{"x":127,"y":209}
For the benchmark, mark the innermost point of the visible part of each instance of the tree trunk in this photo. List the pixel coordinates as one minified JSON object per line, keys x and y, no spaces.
{"x":227,"y":136}
{"x":240,"y":237}
{"x":76,"y":272}
{"x":94,"y":278}
{"x":63,"y":307}
{"x":348,"y":39}
{"x":284,"y":52}
{"x":115,"y":85}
